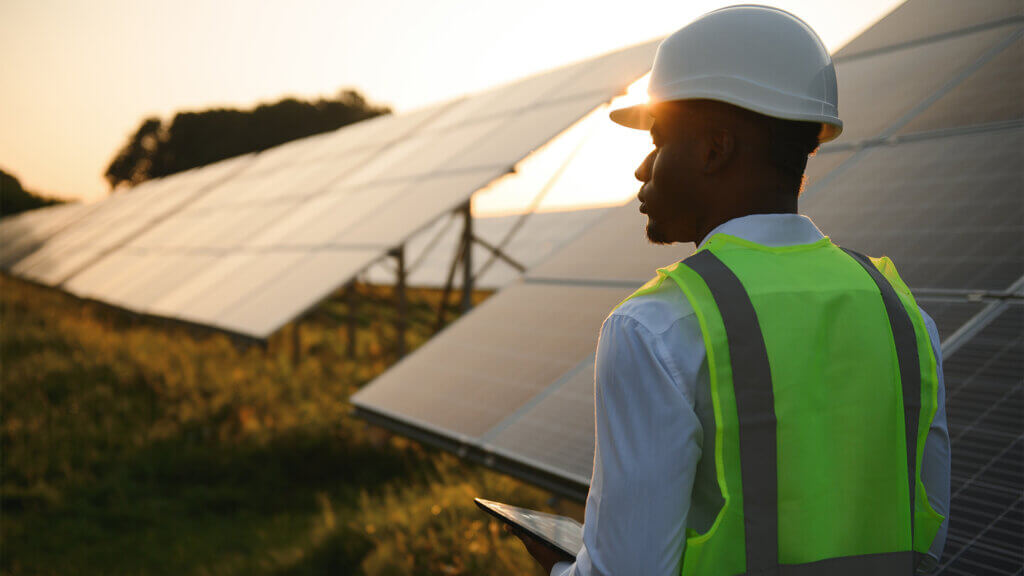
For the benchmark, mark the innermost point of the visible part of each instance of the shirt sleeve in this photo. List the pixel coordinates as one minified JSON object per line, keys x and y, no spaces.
{"x":648,"y":444}
{"x":935,"y":462}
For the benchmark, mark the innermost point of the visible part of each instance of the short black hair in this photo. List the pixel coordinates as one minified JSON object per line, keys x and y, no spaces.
{"x":791,"y":143}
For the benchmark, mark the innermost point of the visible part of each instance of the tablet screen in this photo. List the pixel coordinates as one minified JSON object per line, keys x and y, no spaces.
{"x":559,"y":532}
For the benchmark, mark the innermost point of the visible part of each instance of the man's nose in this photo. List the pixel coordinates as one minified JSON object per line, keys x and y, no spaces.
{"x":643,"y":171}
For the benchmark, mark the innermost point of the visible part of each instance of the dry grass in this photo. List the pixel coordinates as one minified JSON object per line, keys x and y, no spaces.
{"x":130,"y":447}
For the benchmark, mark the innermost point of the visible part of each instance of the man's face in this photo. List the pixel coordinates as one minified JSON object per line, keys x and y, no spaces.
{"x":670,"y":195}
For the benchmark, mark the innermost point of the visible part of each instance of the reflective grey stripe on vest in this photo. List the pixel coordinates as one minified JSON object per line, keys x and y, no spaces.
{"x":755,"y":408}
{"x":909,"y":365}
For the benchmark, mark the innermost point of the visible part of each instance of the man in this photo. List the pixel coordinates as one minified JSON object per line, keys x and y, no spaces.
{"x":772,"y":404}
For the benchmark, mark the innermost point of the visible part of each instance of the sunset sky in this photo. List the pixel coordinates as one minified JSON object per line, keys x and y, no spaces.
{"x":76,"y":78}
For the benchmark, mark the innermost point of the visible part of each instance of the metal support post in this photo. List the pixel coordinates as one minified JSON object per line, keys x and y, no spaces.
{"x":442,"y":310}
{"x":400,"y":320}
{"x":467,"y":259}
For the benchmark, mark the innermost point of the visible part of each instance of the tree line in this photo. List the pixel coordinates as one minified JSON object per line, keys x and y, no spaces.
{"x":14,"y":198}
{"x":191,"y":139}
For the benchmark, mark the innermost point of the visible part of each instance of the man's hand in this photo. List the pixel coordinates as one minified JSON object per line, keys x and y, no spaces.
{"x":546,"y":556}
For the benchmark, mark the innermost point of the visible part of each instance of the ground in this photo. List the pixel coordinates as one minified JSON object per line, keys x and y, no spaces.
{"x":130,"y":446}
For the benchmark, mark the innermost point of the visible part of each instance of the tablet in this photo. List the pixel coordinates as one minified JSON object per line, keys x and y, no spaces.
{"x":563,"y":534}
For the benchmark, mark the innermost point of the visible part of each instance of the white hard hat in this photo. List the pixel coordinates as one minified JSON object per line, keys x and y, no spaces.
{"x":755,"y":57}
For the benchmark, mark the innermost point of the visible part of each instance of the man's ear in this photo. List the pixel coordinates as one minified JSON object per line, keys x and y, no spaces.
{"x":717,"y":149}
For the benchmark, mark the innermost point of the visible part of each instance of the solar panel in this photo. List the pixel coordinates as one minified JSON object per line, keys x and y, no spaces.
{"x":916,"y":21}
{"x":994,"y":93}
{"x":593,"y":159}
{"x":425,"y":153}
{"x":985,"y":404}
{"x":319,"y":220}
{"x":118,"y":219}
{"x":522,"y":133}
{"x":430,"y":253}
{"x":607,"y":74}
{"x":506,"y":100}
{"x":143,"y":287}
{"x":310,"y":280}
{"x":508,"y":350}
{"x":417,"y":204}
{"x":949,"y":313}
{"x":312,"y":209}
{"x":223,"y":284}
{"x":554,"y":431}
{"x":23,"y":233}
{"x":877,"y":90}
{"x":947,"y":209}
{"x":614,"y":250}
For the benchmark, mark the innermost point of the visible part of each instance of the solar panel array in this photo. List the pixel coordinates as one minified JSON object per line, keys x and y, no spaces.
{"x":928,"y":172}
{"x":24,"y":233}
{"x":524,"y":215}
{"x":249,"y":244}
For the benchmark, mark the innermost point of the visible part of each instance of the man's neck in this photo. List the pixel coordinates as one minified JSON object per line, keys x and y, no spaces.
{"x":788,"y":208}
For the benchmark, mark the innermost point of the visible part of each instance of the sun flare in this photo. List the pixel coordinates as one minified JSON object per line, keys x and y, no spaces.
{"x":589,"y":165}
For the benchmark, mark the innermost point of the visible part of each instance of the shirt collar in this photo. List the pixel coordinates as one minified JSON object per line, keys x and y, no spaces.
{"x":770,"y":229}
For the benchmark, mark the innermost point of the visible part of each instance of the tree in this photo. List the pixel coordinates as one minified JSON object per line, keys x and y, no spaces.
{"x":193,"y":139}
{"x":132,"y":164}
{"x":14,"y":198}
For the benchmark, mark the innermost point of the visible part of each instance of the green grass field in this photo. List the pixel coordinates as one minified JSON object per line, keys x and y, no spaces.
{"x":134,"y":447}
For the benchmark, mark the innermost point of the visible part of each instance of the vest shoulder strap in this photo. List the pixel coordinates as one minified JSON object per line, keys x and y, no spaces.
{"x":755,"y":407}
{"x":909,"y":368}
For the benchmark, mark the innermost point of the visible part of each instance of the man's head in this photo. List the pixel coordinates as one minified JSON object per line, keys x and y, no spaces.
{"x":713,"y":162}
{"x":738,"y":99}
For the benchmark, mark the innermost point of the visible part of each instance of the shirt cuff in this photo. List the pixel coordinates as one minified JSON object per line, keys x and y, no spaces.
{"x":561,"y":569}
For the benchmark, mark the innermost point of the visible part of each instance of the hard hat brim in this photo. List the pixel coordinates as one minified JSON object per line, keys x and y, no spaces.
{"x":638,"y":117}
{"x":641,"y":117}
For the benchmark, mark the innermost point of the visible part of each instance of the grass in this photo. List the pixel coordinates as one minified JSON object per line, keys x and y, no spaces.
{"x":133,"y":447}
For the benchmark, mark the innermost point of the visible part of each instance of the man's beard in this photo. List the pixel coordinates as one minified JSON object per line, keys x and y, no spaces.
{"x":654,"y":234}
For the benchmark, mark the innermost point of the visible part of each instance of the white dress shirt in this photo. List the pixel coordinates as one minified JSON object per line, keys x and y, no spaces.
{"x":654,"y":420}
